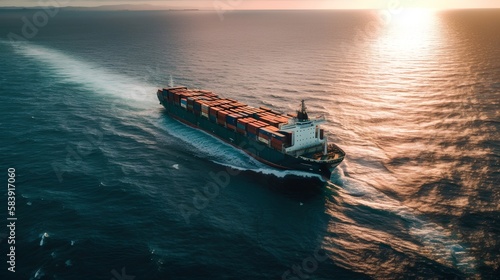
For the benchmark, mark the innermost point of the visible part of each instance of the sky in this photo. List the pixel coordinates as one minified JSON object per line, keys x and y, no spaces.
{"x":270,"y":4}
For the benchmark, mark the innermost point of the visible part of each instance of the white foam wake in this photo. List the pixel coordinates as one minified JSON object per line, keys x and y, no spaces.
{"x":66,"y":68}
{"x":42,"y":238}
{"x":209,"y":146}
{"x":276,"y":172}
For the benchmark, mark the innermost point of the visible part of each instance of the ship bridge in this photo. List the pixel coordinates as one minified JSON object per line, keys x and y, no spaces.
{"x":307,"y":136}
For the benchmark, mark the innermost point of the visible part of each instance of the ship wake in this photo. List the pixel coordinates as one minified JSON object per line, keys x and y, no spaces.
{"x":66,"y":68}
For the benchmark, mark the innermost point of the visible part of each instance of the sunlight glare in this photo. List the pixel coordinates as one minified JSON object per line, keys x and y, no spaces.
{"x":413,"y":17}
{"x":411,"y":30}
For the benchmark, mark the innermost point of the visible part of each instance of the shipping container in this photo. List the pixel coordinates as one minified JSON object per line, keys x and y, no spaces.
{"x":264,"y":132}
{"x":242,"y":131}
{"x":221,"y":117}
{"x":251,"y":135}
{"x":263,"y":139}
{"x":213,"y":111}
{"x":272,"y":128}
{"x":232,"y":118}
{"x":270,"y":120}
{"x":253,"y":128}
{"x":197,"y":106}
{"x":221,"y":122}
{"x":225,"y":106}
{"x":278,"y":136}
{"x":190,"y":103}
{"x":277,"y":144}
{"x":242,"y":123}
{"x":251,"y":120}
{"x":183,"y":103}
{"x":283,"y":120}
{"x":224,"y":101}
{"x":238,"y":104}
{"x":243,"y":114}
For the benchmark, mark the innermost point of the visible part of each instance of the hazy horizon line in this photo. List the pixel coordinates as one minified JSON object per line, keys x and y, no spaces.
{"x":160,"y":8}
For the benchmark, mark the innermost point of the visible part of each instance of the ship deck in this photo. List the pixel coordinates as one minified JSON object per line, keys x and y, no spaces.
{"x":333,"y":153}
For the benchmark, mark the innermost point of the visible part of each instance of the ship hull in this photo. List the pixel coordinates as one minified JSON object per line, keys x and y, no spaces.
{"x":258,"y":150}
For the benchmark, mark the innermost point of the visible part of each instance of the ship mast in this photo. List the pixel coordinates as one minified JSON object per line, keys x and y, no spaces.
{"x":302,"y":113}
{"x":171,"y":81}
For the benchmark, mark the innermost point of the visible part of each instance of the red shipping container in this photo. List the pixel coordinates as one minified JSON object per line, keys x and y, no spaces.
{"x":276,"y":144}
{"x":253,"y":127}
{"x":242,"y":131}
{"x":222,"y":115}
{"x":214,"y":110}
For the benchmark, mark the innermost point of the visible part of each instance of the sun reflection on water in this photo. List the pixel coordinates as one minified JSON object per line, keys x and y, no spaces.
{"x":409,"y":33}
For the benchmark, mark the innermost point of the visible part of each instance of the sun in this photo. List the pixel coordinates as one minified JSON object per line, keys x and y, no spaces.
{"x":412,"y":17}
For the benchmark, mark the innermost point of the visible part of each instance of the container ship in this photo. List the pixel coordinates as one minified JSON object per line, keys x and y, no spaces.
{"x":291,"y":141}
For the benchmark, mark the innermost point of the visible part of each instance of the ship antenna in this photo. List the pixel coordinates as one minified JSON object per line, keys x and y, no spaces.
{"x":302,"y":113}
{"x":171,"y":81}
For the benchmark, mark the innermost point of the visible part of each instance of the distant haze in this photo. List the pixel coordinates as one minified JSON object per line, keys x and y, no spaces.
{"x":259,"y":4}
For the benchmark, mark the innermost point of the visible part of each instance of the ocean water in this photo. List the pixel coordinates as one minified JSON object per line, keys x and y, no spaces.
{"x":109,"y":187}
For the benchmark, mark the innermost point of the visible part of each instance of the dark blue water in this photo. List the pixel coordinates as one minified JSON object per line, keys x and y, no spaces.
{"x":108,"y":186}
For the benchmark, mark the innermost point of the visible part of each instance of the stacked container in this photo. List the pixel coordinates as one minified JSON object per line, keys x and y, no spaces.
{"x":213,"y":113}
{"x":277,"y":140}
{"x":221,"y":117}
{"x":265,"y":133}
{"x":256,"y":123}
{"x":253,"y":128}
{"x":231,"y":120}
{"x":184,"y":103}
